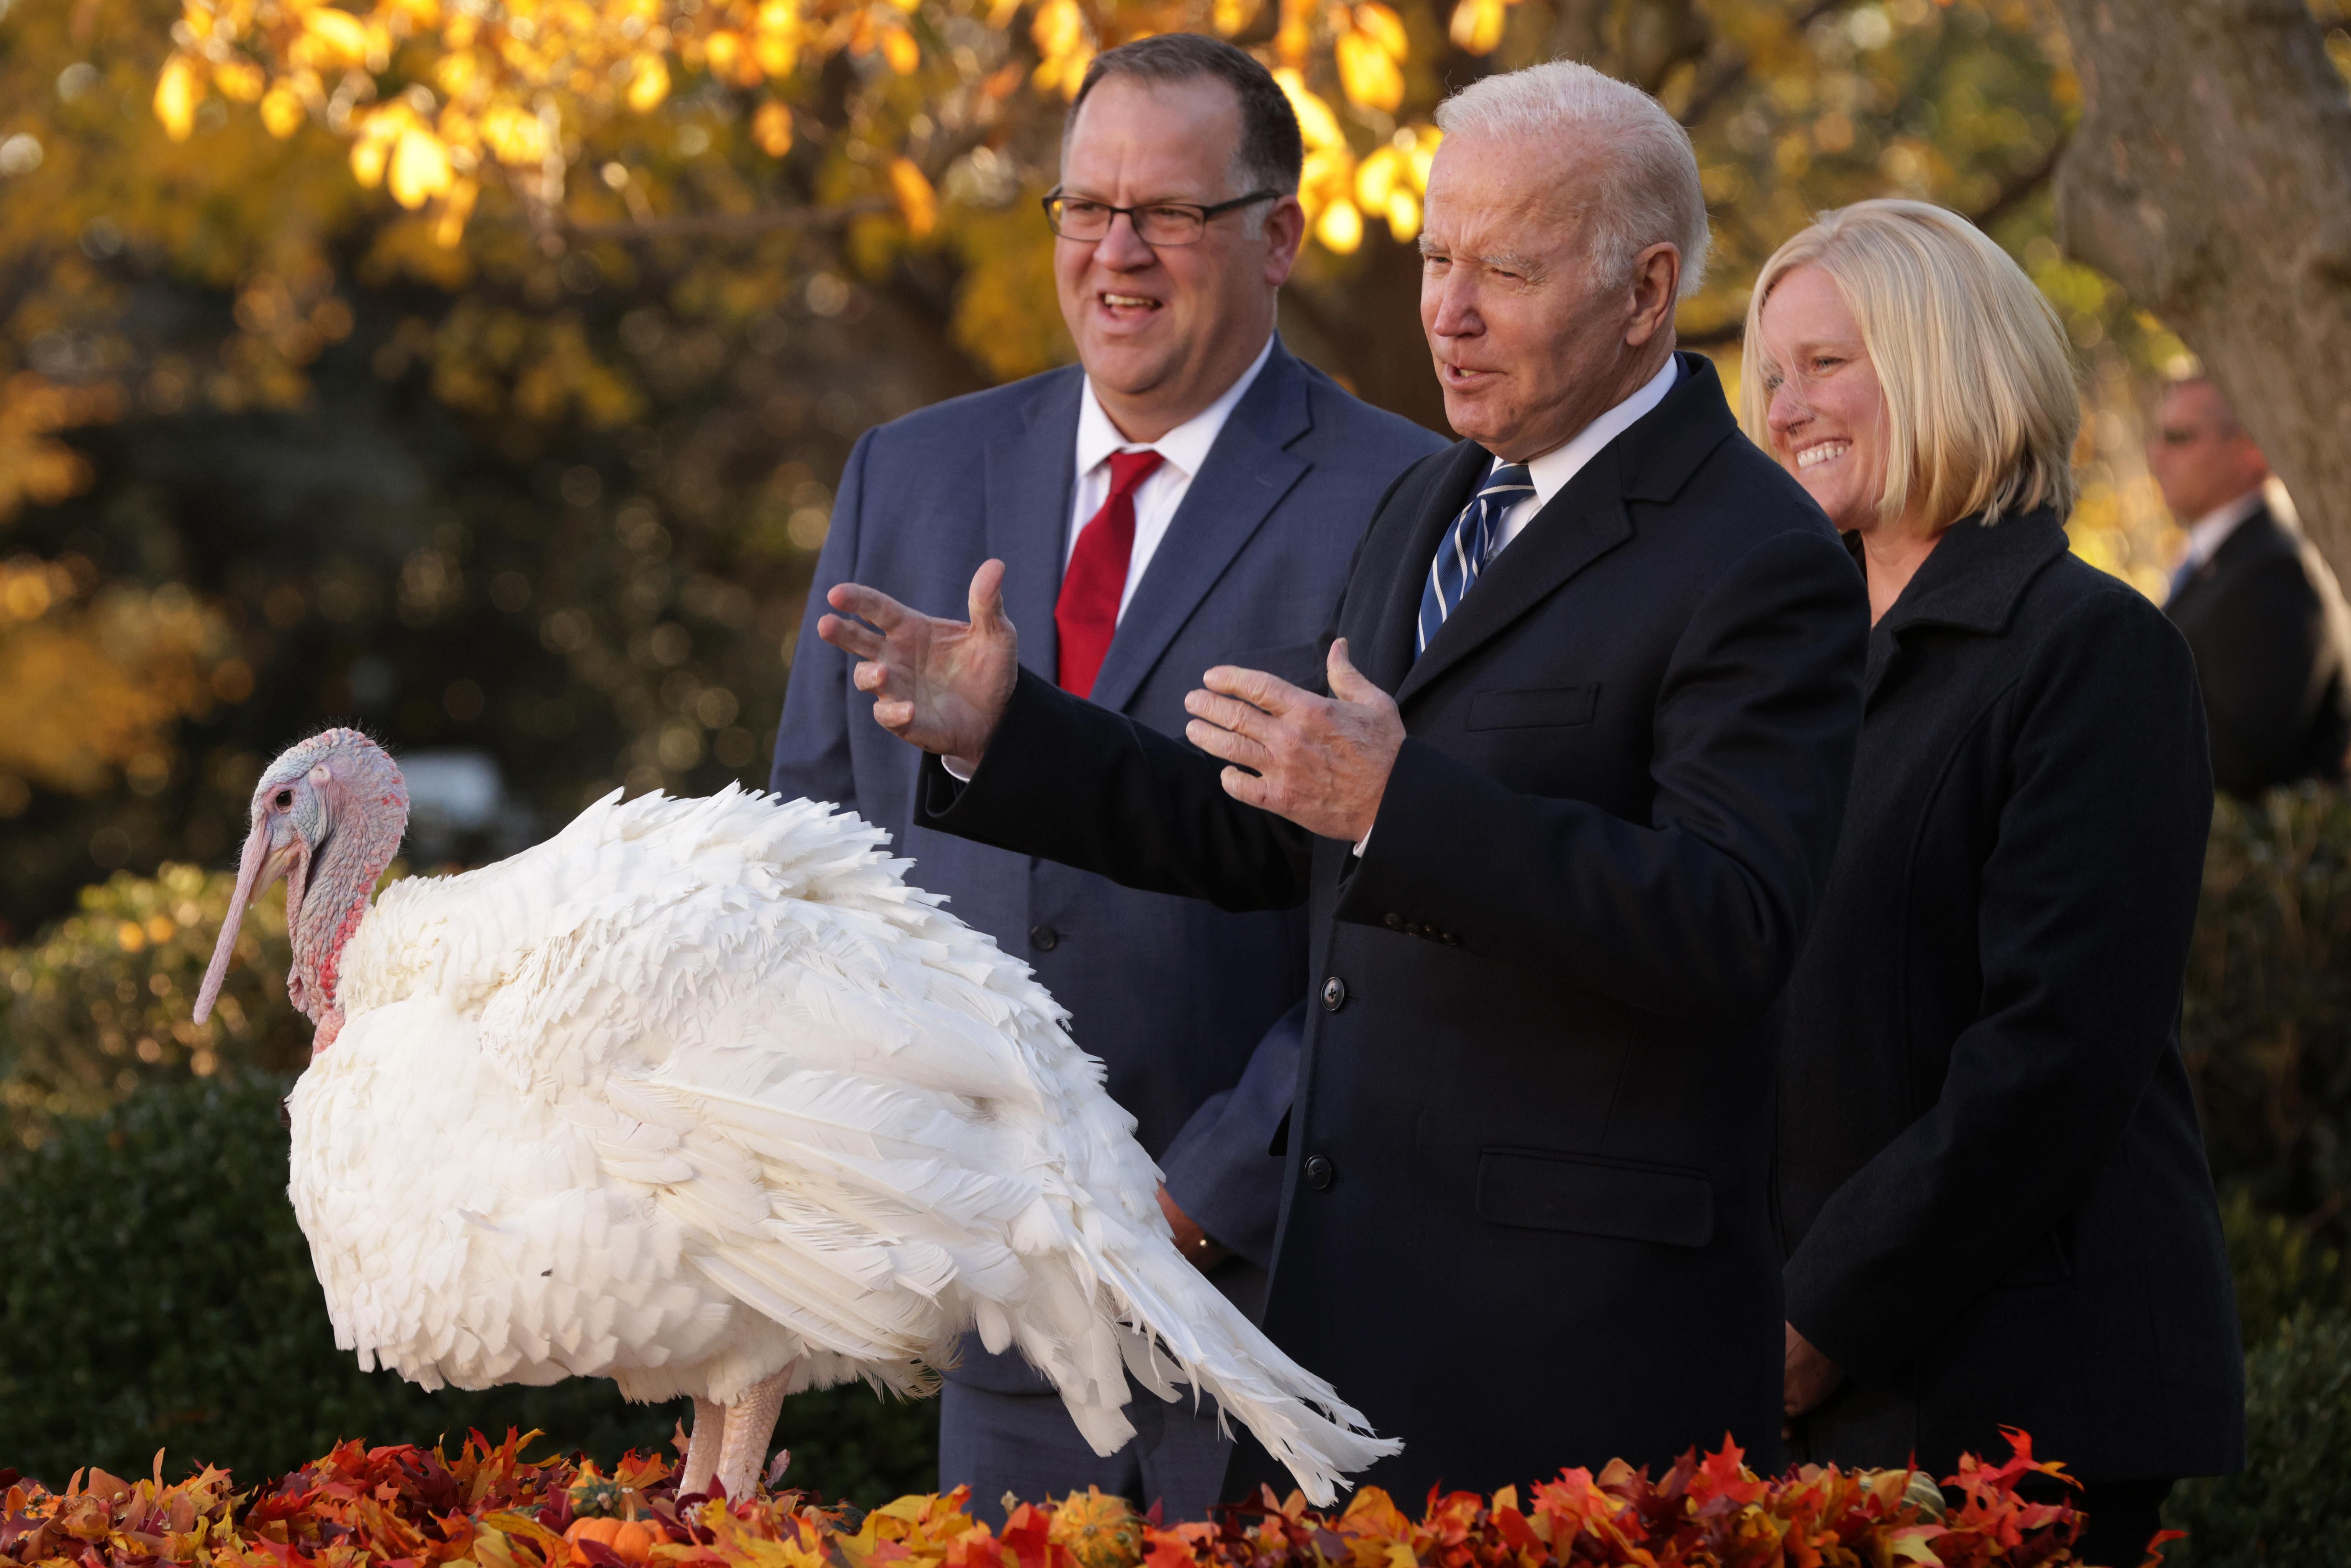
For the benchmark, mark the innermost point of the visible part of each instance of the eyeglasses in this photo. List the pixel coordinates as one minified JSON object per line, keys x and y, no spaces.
{"x":1161,"y":222}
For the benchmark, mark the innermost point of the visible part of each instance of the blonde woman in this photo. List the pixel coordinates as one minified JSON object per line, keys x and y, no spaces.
{"x":1991,"y":1185}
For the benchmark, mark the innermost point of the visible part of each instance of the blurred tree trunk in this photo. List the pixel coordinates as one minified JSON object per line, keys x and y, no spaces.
{"x":2212,"y":177}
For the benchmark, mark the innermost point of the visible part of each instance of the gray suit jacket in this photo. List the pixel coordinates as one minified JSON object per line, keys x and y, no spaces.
{"x":1173,"y":995}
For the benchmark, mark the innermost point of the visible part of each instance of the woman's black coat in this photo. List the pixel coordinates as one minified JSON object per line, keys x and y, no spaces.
{"x":1990,"y":1183}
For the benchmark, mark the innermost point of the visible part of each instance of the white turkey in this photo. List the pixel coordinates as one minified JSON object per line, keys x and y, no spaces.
{"x":700,"y":1096}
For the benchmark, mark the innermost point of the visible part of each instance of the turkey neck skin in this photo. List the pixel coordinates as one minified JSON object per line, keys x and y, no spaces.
{"x":343,"y":872}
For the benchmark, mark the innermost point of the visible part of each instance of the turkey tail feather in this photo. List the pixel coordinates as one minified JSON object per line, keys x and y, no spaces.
{"x":1299,"y":1417}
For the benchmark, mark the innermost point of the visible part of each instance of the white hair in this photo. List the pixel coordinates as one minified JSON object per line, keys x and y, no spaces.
{"x":1647,"y":186}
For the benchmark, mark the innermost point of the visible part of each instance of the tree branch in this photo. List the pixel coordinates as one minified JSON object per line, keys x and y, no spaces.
{"x":2019,"y":187}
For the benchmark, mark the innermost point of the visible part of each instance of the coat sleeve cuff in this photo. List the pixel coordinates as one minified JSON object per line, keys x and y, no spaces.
{"x":1388,"y":882}
{"x":989,"y":806}
{"x":1865,"y":1340}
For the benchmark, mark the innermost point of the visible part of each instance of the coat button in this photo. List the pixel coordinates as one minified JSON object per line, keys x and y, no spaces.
{"x":1334,"y":994}
{"x":1044,"y":938}
{"x":1393,"y":921}
{"x":1319,"y":1173}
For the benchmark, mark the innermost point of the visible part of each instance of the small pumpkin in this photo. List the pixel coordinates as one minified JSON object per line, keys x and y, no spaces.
{"x":624,"y":1537}
{"x":1101,"y":1531}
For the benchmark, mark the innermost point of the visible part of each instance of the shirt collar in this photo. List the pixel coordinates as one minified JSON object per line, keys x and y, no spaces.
{"x":1186,"y":447}
{"x":1552,"y":470}
{"x":2211,"y":531}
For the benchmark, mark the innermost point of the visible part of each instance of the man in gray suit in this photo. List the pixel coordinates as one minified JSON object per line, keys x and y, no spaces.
{"x":1189,"y":495}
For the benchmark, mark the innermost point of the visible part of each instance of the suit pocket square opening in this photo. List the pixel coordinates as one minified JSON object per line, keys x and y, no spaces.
{"x":1542,"y":708}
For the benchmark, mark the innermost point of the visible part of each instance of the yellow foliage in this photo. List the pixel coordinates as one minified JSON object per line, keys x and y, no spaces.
{"x":282,"y":111}
{"x":1005,"y":314}
{"x":1065,"y":49}
{"x":1375,"y":177}
{"x":1384,"y":26}
{"x":178,"y":91}
{"x":1316,"y":123}
{"x":1341,"y":227}
{"x":333,"y":40}
{"x":1328,"y":177}
{"x":1403,"y":212}
{"x":1476,"y":26}
{"x":456,"y":206}
{"x":771,"y":127}
{"x":87,"y":689}
{"x":515,"y":135}
{"x":420,"y":167}
{"x":34,"y":464}
{"x":648,"y":83}
{"x":1231,"y":17}
{"x":916,"y":200}
{"x":1367,"y":71}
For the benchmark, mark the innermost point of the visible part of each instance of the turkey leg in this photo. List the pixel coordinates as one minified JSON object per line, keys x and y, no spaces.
{"x":701,"y":1446}
{"x":750,"y":1424}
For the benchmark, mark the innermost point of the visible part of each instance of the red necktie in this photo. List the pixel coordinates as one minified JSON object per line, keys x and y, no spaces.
{"x":1086,"y":612}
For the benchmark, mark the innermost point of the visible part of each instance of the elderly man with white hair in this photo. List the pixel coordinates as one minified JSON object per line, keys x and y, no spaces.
{"x":1560,"y":818}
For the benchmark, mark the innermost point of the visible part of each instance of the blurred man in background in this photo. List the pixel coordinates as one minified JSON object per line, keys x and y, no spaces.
{"x":1187,"y":495}
{"x":2259,"y":609}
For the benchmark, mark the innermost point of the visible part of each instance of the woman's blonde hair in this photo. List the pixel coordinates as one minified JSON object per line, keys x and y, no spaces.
{"x":1981,"y":409}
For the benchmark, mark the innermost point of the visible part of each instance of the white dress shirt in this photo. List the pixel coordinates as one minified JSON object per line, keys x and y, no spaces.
{"x":1182,"y":451}
{"x":1552,"y":470}
{"x":2208,"y":533}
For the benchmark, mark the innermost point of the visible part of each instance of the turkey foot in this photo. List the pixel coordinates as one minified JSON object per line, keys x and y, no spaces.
{"x":729,"y":1443}
{"x":750,"y":1425}
{"x":702,"y":1448}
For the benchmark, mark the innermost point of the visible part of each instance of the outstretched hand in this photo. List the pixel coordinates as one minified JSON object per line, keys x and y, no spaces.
{"x":939,"y":685}
{"x":1322,"y":762}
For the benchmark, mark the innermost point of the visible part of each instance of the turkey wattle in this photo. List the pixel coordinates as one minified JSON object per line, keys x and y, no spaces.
{"x":700,"y":1096}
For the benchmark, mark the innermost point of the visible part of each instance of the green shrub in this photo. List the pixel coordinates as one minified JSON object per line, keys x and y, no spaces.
{"x":155,"y":1292}
{"x":99,"y":1003}
{"x":2267,"y":1024}
{"x":2289,"y":1505}
{"x":2279,"y":1271}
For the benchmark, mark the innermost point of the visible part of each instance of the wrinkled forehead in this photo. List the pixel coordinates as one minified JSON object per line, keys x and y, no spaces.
{"x":1491,"y":196}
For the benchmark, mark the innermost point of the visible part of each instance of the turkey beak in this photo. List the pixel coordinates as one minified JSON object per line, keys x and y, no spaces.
{"x":265,"y":862}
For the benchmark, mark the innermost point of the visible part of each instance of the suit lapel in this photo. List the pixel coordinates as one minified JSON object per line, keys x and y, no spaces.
{"x":1585,"y":521}
{"x":1649,"y":462}
{"x":1386,"y":657}
{"x":1249,"y":470}
{"x":1029,"y":477}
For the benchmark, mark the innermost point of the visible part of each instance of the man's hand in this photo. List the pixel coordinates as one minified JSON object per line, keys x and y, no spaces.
{"x":940,"y":684}
{"x":1196,"y":1244}
{"x":1807,"y":1377}
{"x":1322,"y":762}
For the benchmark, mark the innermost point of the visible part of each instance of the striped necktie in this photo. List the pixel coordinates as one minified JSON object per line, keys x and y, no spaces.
{"x":1468,"y":545}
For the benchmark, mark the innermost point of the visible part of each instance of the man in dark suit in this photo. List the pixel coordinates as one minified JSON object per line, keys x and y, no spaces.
{"x":1559,"y":824}
{"x":1187,"y":495}
{"x":2259,"y":610}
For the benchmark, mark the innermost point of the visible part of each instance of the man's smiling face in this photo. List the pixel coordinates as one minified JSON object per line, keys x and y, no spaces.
{"x":1162,"y":331}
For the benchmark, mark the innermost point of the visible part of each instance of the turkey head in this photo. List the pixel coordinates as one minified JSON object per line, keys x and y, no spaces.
{"x":328,"y":815}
